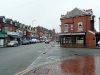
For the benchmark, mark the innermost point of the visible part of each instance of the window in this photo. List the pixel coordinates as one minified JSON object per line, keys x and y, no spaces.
{"x":10,"y":22}
{"x":6,"y":29}
{"x":4,"y":20}
{"x":80,"y":26}
{"x":15,"y":24}
{"x":65,"y":27}
{"x":79,"y":39}
{"x":72,"y":27}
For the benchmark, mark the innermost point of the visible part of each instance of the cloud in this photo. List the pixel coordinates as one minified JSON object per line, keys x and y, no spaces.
{"x":46,"y":12}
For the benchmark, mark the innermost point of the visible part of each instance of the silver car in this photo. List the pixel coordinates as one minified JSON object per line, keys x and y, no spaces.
{"x":12,"y":43}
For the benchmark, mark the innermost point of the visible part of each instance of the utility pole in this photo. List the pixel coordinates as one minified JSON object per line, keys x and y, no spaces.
{"x":99,"y":24}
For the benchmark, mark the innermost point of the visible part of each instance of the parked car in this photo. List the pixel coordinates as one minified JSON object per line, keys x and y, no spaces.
{"x":47,"y":41}
{"x":25,"y":42}
{"x":37,"y":41}
{"x":34,"y":40}
{"x":13,"y":43}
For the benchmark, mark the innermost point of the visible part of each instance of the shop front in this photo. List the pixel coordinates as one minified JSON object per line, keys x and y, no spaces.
{"x":2,"y":39}
{"x":72,"y":40}
{"x":13,"y":36}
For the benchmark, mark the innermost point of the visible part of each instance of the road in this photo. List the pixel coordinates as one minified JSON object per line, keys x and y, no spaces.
{"x":55,"y":53}
{"x":15,"y":59}
{"x":66,"y":61}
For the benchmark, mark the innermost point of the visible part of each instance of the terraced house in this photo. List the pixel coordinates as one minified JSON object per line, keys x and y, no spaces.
{"x":2,"y":32}
{"x":77,"y":29}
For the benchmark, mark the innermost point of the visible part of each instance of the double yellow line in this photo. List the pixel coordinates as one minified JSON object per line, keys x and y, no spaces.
{"x":24,"y":71}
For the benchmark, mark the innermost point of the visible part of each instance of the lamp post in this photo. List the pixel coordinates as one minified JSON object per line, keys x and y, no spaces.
{"x":99,"y":24}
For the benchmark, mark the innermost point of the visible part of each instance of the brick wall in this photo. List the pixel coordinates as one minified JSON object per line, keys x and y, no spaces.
{"x":84,"y":19}
{"x":73,"y":45}
{"x":90,"y":39}
{"x":0,"y":27}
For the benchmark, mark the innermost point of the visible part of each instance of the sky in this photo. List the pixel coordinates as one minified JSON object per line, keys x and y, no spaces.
{"x":45,"y":13}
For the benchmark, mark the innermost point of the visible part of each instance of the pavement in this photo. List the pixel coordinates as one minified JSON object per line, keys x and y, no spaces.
{"x":69,"y":61}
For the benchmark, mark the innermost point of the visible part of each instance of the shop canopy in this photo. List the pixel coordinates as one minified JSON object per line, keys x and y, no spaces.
{"x":72,"y":34}
{"x":2,"y":35}
{"x":13,"y":33}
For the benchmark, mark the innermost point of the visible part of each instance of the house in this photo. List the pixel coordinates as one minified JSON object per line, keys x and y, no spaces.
{"x":2,"y":33}
{"x":77,"y":29}
{"x":11,"y":30}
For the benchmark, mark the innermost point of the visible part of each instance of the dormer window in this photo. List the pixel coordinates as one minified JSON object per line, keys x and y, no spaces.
{"x":15,"y":24}
{"x":80,"y":27}
{"x":4,"y":20}
{"x":11,"y":22}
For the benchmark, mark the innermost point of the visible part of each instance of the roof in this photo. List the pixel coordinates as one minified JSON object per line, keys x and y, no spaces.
{"x":78,"y":12}
{"x":2,"y":16}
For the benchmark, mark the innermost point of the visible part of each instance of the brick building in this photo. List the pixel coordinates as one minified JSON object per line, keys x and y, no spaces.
{"x":77,"y":29}
{"x":2,"y":33}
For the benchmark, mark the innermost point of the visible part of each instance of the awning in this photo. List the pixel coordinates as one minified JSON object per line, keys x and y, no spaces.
{"x":13,"y":33}
{"x":72,"y":34}
{"x":2,"y":35}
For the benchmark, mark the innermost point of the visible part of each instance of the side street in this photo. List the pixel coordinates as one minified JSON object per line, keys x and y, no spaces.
{"x":12,"y":31}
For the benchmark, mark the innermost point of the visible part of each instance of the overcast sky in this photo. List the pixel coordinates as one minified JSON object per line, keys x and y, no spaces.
{"x":45,"y":13}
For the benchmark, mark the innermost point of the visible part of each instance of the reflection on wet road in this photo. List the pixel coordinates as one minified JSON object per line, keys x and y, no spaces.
{"x":83,"y":65}
{"x":68,"y":61}
{"x":80,"y":65}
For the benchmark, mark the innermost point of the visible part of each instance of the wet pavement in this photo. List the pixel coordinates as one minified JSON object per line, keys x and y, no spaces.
{"x":65,"y":61}
{"x":82,"y":65}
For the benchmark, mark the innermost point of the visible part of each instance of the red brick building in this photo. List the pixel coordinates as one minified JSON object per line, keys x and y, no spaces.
{"x":77,"y":29}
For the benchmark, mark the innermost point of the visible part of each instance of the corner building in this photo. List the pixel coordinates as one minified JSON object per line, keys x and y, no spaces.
{"x":77,"y":29}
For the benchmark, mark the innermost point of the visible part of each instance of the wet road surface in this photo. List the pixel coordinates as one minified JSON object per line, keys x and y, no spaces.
{"x":15,"y":59}
{"x":81,"y":65}
{"x":67,"y":61}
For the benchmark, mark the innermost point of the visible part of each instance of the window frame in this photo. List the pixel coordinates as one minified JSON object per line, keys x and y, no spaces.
{"x":66,"y":28}
{"x":80,"y":28}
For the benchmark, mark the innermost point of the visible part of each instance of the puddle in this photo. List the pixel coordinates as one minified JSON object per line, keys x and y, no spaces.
{"x":80,"y":65}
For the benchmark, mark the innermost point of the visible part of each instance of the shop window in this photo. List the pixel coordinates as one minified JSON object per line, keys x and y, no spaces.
{"x":65,"y":27}
{"x":68,"y":40}
{"x":64,"y":40}
{"x":80,"y":27}
{"x":80,"y":40}
{"x":74,"y":40}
